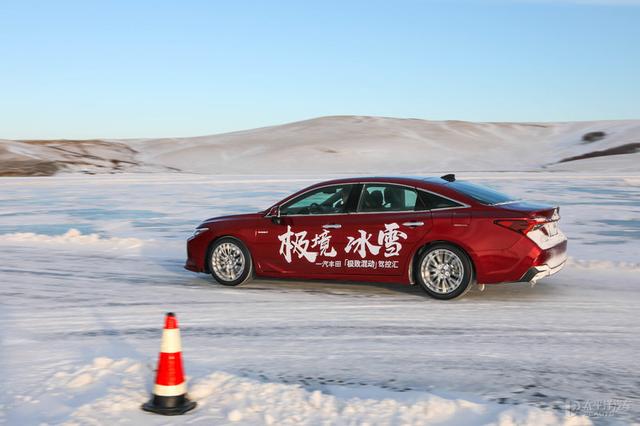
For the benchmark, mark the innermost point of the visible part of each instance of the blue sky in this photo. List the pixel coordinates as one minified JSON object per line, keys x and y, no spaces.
{"x":82,"y":69}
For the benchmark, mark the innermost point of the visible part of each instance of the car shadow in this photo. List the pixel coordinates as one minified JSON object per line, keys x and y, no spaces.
{"x":497,"y":292}
{"x":493,"y":292}
{"x":333,"y":287}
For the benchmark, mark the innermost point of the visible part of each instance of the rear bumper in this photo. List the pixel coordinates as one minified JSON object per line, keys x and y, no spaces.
{"x":537,"y":272}
{"x":548,"y":262}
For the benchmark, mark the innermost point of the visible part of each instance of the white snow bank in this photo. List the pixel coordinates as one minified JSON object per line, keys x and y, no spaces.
{"x":251,"y":402}
{"x":108,"y":390}
{"x":603,"y":264}
{"x":72,"y":238}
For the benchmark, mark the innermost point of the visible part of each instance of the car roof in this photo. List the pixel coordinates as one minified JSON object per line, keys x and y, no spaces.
{"x":418,"y":181}
{"x":437,"y":185}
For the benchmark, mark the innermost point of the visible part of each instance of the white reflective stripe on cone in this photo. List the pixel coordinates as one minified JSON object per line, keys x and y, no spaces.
{"x":176,"y":390}
{"x":171,"y":341}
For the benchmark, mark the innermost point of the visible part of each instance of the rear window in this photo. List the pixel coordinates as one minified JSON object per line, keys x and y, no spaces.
{"x":388,"y":198}
{"x":481,"y":193}
{"x":433,"y":201}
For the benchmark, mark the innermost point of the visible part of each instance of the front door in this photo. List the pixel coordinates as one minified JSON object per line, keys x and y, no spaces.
{"x":308,"y":238}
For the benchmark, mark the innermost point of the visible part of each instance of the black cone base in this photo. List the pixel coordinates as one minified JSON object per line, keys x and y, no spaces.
{"x":169,"y":405}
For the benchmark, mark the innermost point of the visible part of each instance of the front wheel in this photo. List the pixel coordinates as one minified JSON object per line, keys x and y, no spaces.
{"x":444,"y":271}
{"x":230,"y":262}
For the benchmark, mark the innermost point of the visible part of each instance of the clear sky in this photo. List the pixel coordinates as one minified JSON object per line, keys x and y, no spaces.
{"x":136,"y":68}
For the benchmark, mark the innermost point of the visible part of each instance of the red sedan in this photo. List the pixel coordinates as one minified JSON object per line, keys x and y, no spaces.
{"x":441,"y":233}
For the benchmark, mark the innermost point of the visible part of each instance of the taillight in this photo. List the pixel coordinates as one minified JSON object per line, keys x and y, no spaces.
{"x":522,"y":226}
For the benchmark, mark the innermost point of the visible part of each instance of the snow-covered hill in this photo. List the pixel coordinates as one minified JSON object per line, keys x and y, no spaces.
{"x":346,"y":144}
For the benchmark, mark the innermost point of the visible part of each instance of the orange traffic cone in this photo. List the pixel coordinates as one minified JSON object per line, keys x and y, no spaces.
{"x":170,"y":390}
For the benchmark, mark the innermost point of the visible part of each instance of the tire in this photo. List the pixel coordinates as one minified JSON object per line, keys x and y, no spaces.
{"x":445,"y":271}
{"x":240,"y":267}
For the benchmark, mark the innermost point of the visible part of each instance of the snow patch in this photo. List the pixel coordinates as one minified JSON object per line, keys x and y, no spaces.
{"x":91,"y":373}
{"x":72,"y":237}
{"x":632,"y":181}
{"x":603,"y":264}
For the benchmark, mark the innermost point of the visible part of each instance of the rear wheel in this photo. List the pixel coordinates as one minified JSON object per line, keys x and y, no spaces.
{"x":230,"y":262}
{"x":444,"y":271}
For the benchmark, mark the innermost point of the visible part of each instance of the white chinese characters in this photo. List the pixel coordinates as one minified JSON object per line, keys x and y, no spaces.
{"x":322,"y":241}
{"x":390,"y":237}
{"x":298,"y":245}
{"x":362,"y":245}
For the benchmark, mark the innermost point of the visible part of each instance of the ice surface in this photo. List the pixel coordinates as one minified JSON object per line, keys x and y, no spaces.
{"x":82,"y":313}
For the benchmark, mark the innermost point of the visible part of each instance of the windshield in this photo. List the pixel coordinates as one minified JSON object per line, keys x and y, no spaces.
{"x":481,"y":193}
{"x":324,"y":200}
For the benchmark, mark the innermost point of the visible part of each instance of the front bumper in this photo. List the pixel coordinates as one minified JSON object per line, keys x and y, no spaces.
{"x":196,"y":253}
{"x":190,"y":265}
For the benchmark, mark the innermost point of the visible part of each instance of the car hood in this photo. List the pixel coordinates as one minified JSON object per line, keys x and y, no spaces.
{"x":233,"y":217}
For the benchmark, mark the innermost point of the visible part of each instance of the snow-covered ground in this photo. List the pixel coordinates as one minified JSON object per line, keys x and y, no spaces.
{"x":89,"y":265}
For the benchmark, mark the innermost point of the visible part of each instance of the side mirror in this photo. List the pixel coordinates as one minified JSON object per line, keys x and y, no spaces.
{"x":274,"y":213}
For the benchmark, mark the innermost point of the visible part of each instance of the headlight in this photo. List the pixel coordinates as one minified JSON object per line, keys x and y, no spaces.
{"x":198,"y":231}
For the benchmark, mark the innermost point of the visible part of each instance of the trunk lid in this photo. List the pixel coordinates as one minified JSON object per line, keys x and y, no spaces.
{"x":538,"y":221}
{"x":531,"y":210}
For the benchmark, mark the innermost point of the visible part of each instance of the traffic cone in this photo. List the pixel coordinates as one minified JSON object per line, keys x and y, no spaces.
{"x":170,"y":389}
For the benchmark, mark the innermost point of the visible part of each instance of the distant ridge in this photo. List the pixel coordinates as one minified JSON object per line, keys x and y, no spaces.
{"x":343,"y":144}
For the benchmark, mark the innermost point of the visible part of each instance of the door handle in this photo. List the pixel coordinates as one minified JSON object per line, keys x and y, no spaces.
{"x":332,"y":226}
{"x":413,"y":224}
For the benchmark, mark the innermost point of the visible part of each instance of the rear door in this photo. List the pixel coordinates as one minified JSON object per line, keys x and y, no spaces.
{"x":382,"y":233}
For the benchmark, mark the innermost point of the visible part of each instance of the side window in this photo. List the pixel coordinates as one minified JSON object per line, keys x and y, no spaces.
{"x":377,"y":197}
{"x":433,"y":201}
{"x":326,"y":200}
